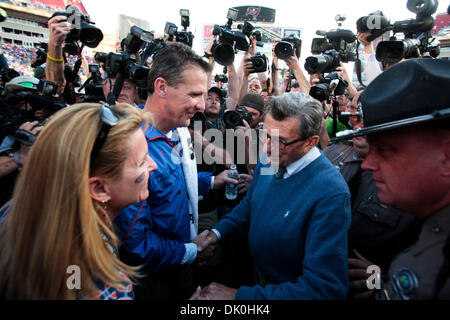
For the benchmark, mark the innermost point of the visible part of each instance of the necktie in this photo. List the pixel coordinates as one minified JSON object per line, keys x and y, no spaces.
{"x":280,"y":173}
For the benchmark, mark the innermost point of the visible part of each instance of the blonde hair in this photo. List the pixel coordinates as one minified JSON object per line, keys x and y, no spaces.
{"x":54,"y":223}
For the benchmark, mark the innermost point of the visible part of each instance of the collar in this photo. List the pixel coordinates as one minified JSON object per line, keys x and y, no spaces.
{"x":153,"y":133}
{"x":302,"y":163}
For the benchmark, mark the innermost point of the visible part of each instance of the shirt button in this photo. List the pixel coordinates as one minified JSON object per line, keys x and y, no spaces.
{"x":436,"y":230}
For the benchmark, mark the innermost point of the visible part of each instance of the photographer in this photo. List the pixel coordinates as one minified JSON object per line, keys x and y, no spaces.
{"x":370,"y":66}
{"x":233,"y":80}
{"x":13,"y":156}
{"x":128,"y":94}
{"x":247,"y":67}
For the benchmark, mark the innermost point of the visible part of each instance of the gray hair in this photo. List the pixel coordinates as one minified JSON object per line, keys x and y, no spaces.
{"x":298,"y":105}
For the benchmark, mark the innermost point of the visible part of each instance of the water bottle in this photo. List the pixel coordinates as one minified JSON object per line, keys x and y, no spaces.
{"x":231,"y":189}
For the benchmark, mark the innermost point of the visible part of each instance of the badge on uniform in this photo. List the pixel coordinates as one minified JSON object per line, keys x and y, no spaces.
{"x":405,"y":283}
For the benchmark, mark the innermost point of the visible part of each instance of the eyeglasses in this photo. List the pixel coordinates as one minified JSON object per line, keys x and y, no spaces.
{"x":284,"y":143}
{"x":108,"y":119}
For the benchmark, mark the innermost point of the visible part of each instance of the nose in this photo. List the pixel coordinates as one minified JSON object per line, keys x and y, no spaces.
{"x":152,"y":166}
{"x":370,"y":163}
{"x":200,"y":104}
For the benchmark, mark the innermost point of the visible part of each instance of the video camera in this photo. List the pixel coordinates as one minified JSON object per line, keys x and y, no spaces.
{"x":338,"y":45}
{"x":93,"y":91}
{"x":417,"y":32}
{"x":330,"y":85}
{"x":41,"y":55}
{"x":171,"y":30}
{"x":230,"y":40}
{"x":13,"y":115}
{"x":128,"y":64}
{"x":285,"y":48}
{"x":82,"y":30}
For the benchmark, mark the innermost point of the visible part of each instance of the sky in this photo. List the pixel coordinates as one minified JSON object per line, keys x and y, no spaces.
{"x":309,"y":15}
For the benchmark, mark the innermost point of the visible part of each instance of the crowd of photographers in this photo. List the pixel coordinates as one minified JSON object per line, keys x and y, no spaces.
{"x":197,"y":236}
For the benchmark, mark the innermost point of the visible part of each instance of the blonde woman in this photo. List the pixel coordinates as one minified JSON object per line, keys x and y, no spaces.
{"x":56,"y":236}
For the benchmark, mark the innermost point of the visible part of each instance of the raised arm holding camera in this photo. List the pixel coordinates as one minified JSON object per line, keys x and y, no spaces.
{"x":54,"y":70}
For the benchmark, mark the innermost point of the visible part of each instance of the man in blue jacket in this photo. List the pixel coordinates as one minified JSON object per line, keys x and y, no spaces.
{"x":297,"y":218}
{"x":161,"y":233}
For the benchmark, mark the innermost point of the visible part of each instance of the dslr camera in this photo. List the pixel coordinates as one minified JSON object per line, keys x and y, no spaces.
{"x":285,"y":48}
{"x":41,"y":55}
{"x":234,"y":118}
{"x":221,"y":78}
{"x":260,"y":62}
{"x":330,"y":85}
{"x":417,"y":33}
{"x":171,"y":30}
{"x":82,"y":30}
{"x":128,"y":64}
{"x":338,"y":45}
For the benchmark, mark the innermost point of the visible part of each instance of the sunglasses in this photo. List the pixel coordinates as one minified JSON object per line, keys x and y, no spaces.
{"x":108,"y":119}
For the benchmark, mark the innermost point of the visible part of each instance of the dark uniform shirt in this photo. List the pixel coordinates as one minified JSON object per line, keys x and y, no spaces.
{"x":378,"y":232}
{"x":414,"y":272}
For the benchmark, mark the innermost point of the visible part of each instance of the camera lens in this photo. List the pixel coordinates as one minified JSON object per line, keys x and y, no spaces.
{"x":224,"y":54}
{"x":319,"y":64}
{"x":284,"y":50}
{"x":320,"y":92}
{"x":258,"y":62}
{"x":231,"y":119}
{"x":90,"y":35}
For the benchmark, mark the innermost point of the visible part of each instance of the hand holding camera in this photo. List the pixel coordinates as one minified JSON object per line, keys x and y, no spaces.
{"x":59,"y":29}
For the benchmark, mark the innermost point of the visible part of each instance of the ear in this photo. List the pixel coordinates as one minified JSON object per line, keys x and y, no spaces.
{"x":161,"y":87}
{"x":98,"y":189}
{"x":313,"y":142}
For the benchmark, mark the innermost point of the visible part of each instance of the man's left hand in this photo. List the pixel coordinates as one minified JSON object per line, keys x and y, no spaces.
{"x":214,"y":291}
{"x":245,"y":180}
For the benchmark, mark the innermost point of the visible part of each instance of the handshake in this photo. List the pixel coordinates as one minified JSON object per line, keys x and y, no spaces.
{"x":205,"y":246}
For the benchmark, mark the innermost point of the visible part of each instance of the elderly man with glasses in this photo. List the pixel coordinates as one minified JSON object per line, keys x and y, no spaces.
{"x":297,"y":218}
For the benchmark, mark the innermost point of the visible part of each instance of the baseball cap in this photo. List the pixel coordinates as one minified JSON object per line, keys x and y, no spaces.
{"x":253,"y":100}
{"x":216,"y":90}
{"x":22,"y":83}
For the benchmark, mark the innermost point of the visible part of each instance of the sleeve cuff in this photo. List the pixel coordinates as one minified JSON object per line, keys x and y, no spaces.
{"x":212,"y":183}
{"x":190,"y":254}
{"x":217,"y":233}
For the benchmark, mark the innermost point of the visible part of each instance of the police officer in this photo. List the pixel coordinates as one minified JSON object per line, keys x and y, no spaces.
{"x":377,"y":232}
{"x":407,"y":121}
